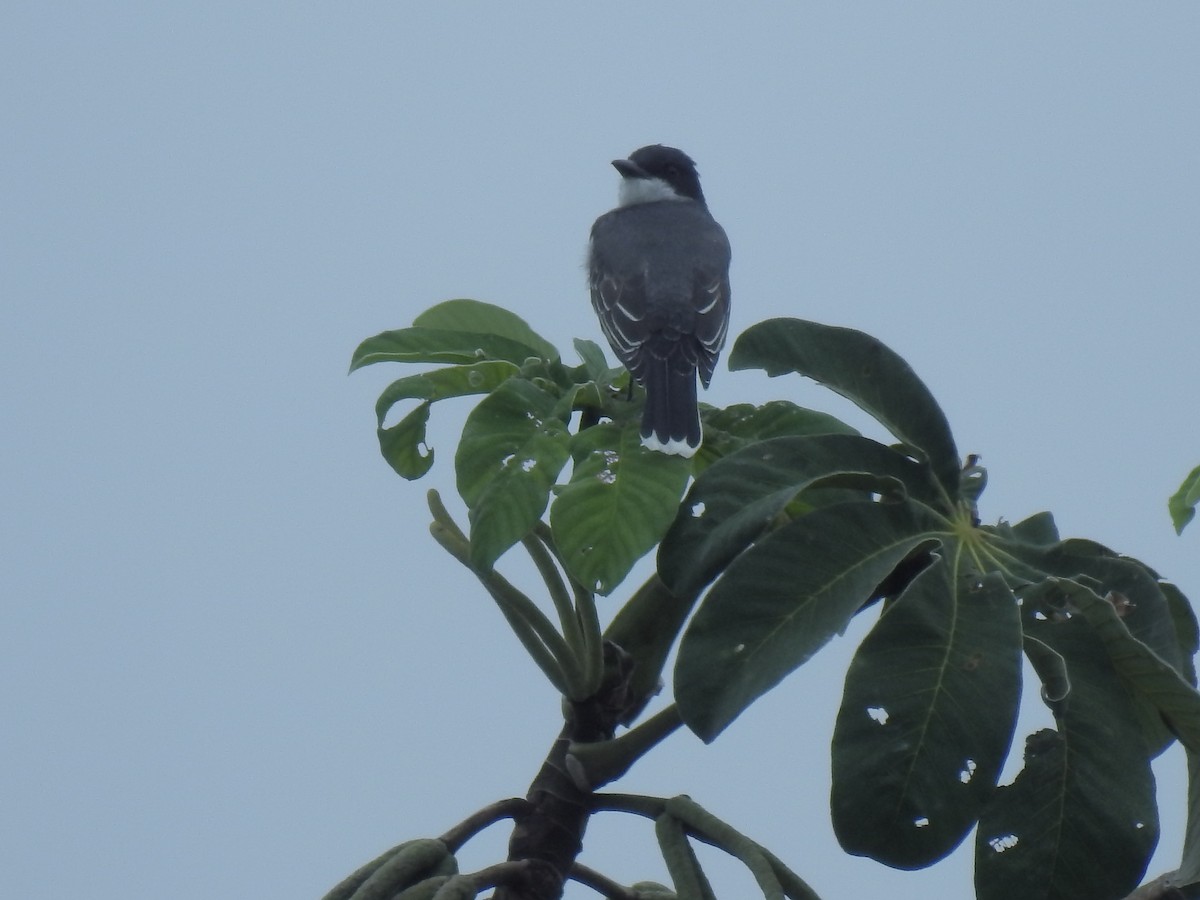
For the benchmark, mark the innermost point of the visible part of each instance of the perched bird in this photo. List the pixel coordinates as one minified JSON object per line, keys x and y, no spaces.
{"x":658,"y":268}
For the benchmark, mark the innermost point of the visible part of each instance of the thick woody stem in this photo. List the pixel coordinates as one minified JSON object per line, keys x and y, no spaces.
{"x":548,"y":835}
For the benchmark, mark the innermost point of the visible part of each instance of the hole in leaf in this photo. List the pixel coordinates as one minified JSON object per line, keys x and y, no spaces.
{"x":1003,"y":842}
{"x":921,"y":821}
{"x":697,"y":509}
{"x":968,"y":772}
{"x":878,"y":713}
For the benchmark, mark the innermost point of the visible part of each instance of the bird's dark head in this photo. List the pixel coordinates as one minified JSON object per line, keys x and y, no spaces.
{"x":658,"y":173}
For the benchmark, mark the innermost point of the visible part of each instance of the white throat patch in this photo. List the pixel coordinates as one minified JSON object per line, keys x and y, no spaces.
{"x":645,"y":190}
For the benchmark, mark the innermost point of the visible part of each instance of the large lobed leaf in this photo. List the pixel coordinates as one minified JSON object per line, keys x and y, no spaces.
{"x":620,"y":500}
{"x":734,"y":500}
{"x":457,"y":331}
{"x":863,"y":370}
{"x":595,"y":365}
{"x":1153,"y":679}
{"x":1187,"y":629}
{"x":927,"y":717}
{"x":1147,"y":616}
{"x":1189,"y":866}
{"x":440,"y":346}
{"x":478,"y":317}
{"x":734,"y":427}
{"x":440,"y":384}
{"x":784,"y":598}
{"x":483,"y":345}
{"x":1146,"y":613}
{"x":403,"y":444}
{"x":513,"y":446}
{"x":1080,"y":821}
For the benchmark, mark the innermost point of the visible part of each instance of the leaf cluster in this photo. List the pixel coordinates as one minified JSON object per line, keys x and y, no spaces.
{"x":793,"y":525}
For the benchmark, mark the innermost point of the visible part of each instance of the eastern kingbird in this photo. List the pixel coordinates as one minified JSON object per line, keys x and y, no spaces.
{"x":658,"y":268}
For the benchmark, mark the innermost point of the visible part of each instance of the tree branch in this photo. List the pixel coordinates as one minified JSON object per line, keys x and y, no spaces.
{"x":458,"y":835}
{"x":603,"y":762}
{"x":637,"y":804}
{"x":549,"y":834}
{"x":601,"y":883}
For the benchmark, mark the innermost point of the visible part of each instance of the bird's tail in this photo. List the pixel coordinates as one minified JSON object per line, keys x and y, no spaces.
{"x":671,"y":419}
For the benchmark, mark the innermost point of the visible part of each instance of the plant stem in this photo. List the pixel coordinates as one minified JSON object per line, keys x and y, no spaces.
{"x":637,"y":804}
{"x":601,"y":883}
{"x":545,"y":645}
{"x":458,"y":835}
{"x":606,"y":761}
{"x":557,"y":589}
{"x":584,"y":615}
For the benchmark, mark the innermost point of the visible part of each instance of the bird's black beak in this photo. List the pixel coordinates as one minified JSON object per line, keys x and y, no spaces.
{"x":629,"y":169}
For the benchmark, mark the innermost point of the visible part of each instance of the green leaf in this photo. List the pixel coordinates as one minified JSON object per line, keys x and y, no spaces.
{"x":927,"y":717}
{"x":512,"y":449}
{"x":732,"y":428}
{"x":1158,"y":682}
{"x":1037,"y":529}
{"x":1187,"y":630}
{"x":437,"y":345}
{"x":477,"y":317}
{"x":735,"y":499}
{"x":776,"y":418}
{"x":403,"y":445}
{"x":863,"y":370}
{"x":439,"y":384}
{"x":1080,"y":821}
{"x":1183,"y":502}
{"x":1051,"y":671}
{"x":619,"y":502}
{"x":784,"y":598}
{"x":1189,"y":867}
{"x":1148,"y":616}
{"x":594,"y":362}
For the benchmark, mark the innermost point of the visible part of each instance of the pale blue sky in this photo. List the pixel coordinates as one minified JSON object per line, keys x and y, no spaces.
{"x":234,"y":664}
